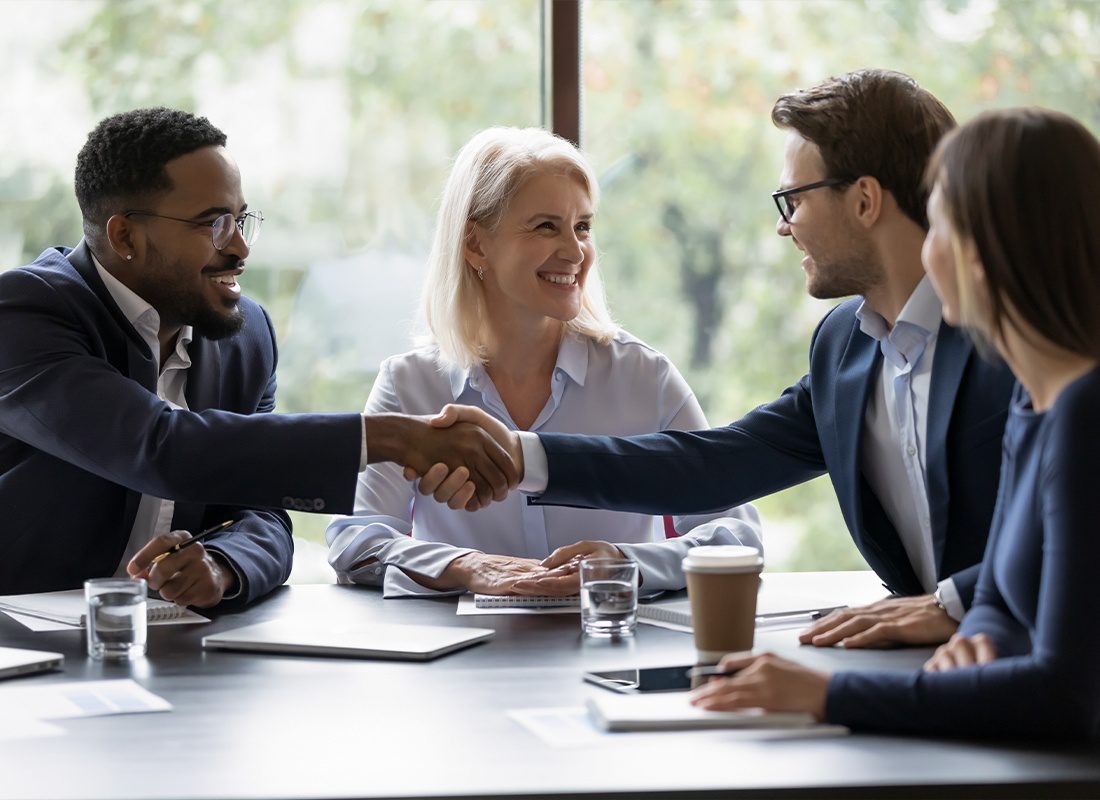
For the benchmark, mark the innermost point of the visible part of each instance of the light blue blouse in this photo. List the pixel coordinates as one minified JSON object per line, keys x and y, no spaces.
{"x":624,"y":387}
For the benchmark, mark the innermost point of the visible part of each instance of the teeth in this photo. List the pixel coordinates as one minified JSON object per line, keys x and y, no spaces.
{"x":564,"y":280}
{"x":227,"y":280}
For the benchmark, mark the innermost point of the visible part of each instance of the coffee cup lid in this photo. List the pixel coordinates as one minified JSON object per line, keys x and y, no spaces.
{"x":723,"y":556}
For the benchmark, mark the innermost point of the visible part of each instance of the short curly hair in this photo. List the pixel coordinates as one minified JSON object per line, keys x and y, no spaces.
{"x":124,"y":157}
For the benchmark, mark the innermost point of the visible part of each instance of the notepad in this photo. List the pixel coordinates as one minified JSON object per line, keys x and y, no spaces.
{"x":673,"y":711}
{"x":678,"y":612}
{"x":70,"y":607}
{"x":525,"y":601}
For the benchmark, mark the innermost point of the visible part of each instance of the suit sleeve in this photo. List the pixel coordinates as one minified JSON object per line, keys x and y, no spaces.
{"x":260,"y":544}
{"x":121,"y":431}
{"x":688,"y":472}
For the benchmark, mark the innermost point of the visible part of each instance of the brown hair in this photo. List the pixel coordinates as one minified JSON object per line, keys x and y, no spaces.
{"x":871,"y":122}
{"x":1024,"y":185}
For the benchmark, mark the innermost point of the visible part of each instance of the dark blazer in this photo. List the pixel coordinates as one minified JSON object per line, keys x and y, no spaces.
{"x":816,"y":427}
{"x":83,"y":435}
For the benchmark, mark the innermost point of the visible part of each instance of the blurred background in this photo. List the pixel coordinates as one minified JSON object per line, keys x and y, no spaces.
{"x":344,"y":115}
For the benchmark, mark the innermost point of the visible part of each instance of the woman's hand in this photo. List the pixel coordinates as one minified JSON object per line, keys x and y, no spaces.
{"x":764,"y":681}
{"x":962,"y":651}
{"x":563,"y":577}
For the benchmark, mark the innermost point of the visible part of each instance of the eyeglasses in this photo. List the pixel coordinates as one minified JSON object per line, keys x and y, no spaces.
{"x":782,"y":197}
{"x":221,"y":229}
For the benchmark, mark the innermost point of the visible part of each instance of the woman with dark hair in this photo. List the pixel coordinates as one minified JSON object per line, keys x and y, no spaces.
{"x":1014,"y":253}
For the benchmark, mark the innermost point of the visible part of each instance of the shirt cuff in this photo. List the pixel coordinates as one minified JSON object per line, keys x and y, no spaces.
{"x":362,"y":442}
{"x":952,"y":602}
{"x":536,"y":472}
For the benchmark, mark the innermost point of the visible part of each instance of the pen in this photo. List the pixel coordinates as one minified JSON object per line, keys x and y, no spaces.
{"x":187,"y":542}
{"x":711,"y":672}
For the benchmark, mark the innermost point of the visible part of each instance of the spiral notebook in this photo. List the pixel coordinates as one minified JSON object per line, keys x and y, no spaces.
{"x":526,"y":601}
{"x":70,"y":607}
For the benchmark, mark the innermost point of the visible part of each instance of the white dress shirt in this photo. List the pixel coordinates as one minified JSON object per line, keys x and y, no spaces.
{"x":622,"y":388}
{"x":894,"y":437}
{"x":154,"y":514}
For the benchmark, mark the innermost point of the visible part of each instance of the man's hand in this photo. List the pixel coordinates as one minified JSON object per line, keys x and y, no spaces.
{"x":563,"y":577}
{"x":446,"y":483}
{"x":765,"y":681}
{"x":189,"y":577}
{"x":459,"y":442}
{"x":890,"y":622}
{"x":961,"y":651}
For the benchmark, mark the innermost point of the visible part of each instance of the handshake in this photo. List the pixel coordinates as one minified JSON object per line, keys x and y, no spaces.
{"x":463,"y":457}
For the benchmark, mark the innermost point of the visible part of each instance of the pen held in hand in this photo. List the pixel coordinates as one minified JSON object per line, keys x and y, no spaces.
{"x":711,"y":672}
{"x":187,"y":542}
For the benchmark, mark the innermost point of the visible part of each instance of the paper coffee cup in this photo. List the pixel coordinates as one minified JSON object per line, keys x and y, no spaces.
{"x":722,"y":584}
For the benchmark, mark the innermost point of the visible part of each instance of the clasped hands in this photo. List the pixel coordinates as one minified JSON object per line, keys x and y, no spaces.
{"x":464,"y":457}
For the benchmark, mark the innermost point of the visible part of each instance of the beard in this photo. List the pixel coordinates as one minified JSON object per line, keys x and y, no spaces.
{"x":857,"y":272}
{"x":179,"y":304}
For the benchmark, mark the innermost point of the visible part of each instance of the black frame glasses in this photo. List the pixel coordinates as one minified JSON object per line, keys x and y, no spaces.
{"x":221,"y":229}
{"x":780,"y":196}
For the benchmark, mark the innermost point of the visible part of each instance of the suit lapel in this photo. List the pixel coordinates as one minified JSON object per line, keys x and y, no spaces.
{"x":953,"y":351}
{"x":855,"y":378}
{"x":204,"y":376}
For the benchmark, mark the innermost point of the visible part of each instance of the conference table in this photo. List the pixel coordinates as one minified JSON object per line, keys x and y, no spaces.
{"x":283,"y":726}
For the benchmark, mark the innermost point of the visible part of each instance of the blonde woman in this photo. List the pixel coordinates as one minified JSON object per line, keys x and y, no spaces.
{"x":518,"y":326}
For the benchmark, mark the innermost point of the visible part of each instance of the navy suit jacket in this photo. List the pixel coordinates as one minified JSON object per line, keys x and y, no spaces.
{"x":813,"y":428}
{"x":83,"y":435}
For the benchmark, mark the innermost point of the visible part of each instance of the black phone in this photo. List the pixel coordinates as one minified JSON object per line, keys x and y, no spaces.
{"x":650,"y":679}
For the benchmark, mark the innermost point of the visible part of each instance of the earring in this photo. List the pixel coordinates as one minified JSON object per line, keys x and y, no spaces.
{"x":481,"y":273}
{"x":129,"y":258}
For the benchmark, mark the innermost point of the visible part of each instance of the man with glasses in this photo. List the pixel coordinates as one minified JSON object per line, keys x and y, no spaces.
{"x":134,"y":384}
{"x":896,"y":407}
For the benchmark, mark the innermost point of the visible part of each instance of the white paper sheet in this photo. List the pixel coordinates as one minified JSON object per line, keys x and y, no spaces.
{"x":72,"y":699}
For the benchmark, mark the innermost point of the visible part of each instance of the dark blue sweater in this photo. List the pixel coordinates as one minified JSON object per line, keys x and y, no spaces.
{"x":1038,"y":597}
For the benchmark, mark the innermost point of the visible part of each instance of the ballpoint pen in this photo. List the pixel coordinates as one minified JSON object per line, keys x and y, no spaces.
{"x":187,"y":542}
{"x":712,"y":672}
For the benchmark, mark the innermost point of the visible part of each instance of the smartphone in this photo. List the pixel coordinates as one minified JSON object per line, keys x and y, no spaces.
{"x":653,"y":679}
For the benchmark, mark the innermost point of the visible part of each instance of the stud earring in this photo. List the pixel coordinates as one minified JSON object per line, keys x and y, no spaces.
{"x":129,"y":258}
{"x":481,"y":273}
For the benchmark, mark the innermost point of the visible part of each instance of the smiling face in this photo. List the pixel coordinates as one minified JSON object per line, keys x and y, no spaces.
{"x":180,"y":273}
{"x":839,"y":258}
{"x":538,"y":256}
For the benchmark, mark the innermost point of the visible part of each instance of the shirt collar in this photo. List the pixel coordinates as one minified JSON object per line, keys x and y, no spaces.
{"x":572,"y":360}
{"x":140,"y":314}
{"x":916,"y":325}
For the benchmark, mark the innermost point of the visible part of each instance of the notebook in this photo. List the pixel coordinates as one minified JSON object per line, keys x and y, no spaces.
{"x":70,"y":607}
{"x":768,"y":609}
{"x":358,"y":640}
{"x":526,"y":601}
{"x":14,"y":661}
{"x":672,"y":711}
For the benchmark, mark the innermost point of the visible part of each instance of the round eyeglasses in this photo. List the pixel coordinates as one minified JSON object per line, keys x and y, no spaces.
{"x":221,"y":229}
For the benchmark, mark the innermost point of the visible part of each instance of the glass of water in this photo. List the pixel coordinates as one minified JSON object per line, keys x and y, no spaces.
{"x":609,"y":596}
{"x":116,"y":619}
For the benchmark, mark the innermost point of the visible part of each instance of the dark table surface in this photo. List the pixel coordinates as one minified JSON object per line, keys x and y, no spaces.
{"x":247,"y":726}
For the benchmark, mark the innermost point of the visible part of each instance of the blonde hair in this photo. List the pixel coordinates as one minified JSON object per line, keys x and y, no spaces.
{"x":487,"y":173}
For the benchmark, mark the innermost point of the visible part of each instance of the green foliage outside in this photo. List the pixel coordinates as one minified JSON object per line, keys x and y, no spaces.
{"x":344,"y":115}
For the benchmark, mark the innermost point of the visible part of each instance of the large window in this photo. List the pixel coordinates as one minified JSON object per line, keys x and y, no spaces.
{"x":344,"y":115}
{"x":677,"y":102}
